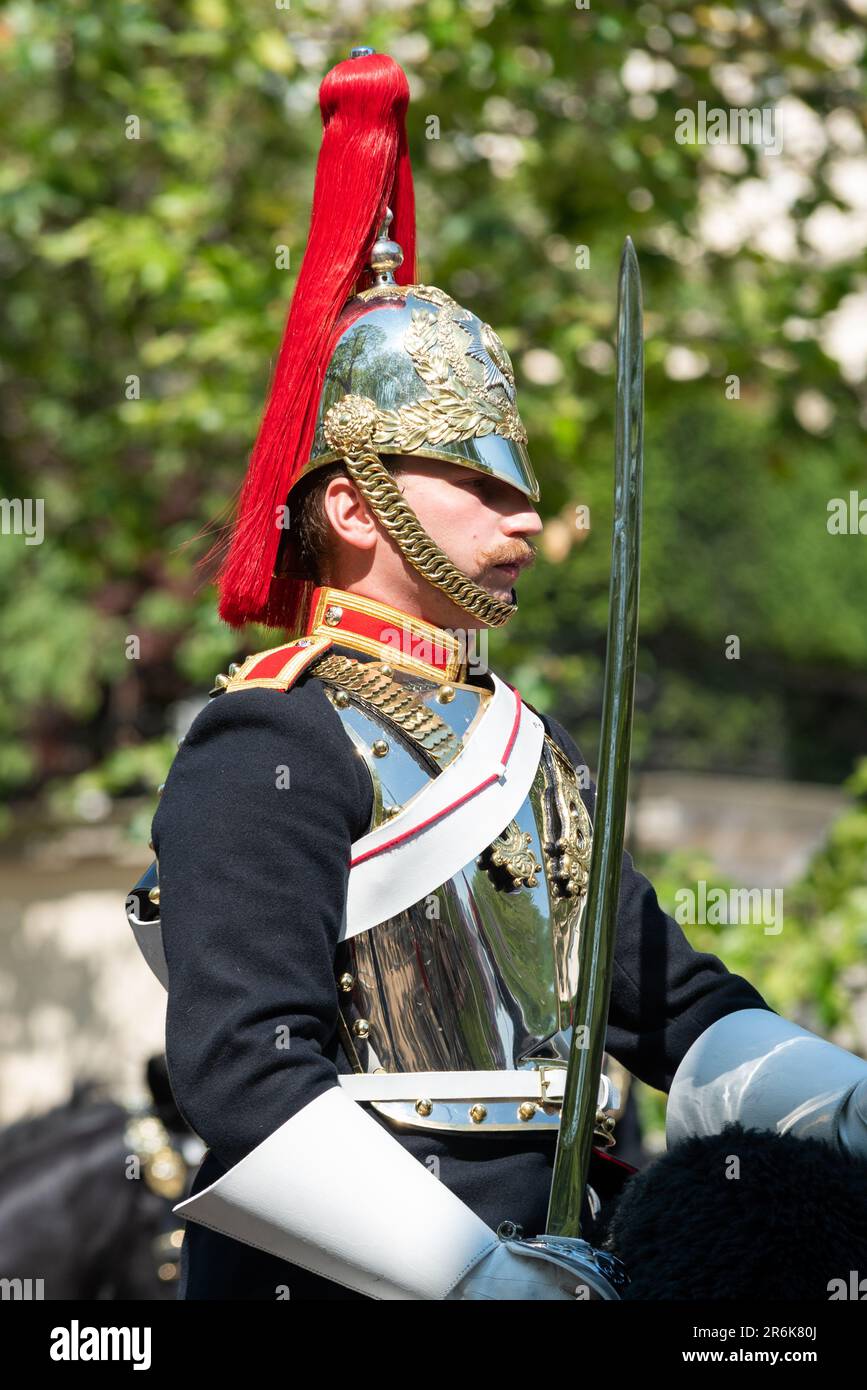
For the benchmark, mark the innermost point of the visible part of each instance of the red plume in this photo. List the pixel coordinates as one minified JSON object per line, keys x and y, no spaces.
{"x":363,"y":168}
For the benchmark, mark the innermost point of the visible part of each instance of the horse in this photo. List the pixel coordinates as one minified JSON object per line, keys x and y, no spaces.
{"x":86,"y":1196}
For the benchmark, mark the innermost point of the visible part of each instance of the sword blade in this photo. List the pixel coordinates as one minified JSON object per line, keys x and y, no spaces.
{"x":598,"y":930}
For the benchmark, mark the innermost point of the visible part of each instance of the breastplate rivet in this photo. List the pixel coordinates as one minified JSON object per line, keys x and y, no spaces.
{"x":423,"y":1107}
{"x":478,"y":1113}
{"x":527,"y":1109}
{"x":445,"y":694}
{"x":380,"y":748}
{"x":341,"y":699}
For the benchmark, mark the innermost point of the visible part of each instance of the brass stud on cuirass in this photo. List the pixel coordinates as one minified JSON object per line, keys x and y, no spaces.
{"x":423,"y":1107}
{"x":478,"y":1112}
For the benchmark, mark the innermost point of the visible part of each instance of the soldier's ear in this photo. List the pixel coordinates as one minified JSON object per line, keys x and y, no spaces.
{"x":348,"y":513}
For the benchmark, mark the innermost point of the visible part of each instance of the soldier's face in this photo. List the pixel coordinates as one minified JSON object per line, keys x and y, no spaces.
{"x":481,"y":523}
{"x":483,"y":526}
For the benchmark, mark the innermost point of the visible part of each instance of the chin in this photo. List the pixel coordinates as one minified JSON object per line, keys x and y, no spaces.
{"x":504,"y":592}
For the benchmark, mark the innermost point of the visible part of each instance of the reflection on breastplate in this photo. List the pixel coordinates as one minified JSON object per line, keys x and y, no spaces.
{"x":480,"y":974}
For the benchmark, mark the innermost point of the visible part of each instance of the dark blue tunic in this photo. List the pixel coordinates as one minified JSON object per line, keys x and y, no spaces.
{"x":253,"y":876}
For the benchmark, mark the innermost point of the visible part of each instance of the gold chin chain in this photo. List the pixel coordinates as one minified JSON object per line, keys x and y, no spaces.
{"x":386,"y":501}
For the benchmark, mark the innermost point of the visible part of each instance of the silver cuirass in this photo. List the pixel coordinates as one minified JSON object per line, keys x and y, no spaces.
{"x":478,"y":975}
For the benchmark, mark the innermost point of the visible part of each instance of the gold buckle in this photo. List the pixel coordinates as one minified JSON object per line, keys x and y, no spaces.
{"x":547,"y":1074}
{"x":603,"y":1127}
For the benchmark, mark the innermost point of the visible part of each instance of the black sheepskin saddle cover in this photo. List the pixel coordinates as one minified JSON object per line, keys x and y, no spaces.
{"x":743,"y":1214}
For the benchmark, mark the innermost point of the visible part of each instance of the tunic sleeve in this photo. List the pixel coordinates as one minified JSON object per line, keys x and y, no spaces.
{"x":253,"y":836}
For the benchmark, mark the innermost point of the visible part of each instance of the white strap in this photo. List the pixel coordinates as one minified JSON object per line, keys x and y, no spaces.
{"x":450,"y":1085}
{"x":469,"y":1085}
{"x":406,"y":871}
{"x":449,"y":821}
{"x":149,"y":939}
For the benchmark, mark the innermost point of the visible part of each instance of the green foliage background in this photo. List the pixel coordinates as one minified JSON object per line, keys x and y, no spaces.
{"x":814,"y":970}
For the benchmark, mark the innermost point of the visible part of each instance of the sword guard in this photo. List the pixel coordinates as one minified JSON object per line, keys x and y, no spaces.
{"x":599,"y":1276}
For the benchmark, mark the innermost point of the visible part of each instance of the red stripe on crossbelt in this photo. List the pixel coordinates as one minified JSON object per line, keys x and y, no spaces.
{"x":272,"y":664}
{"x":453,"y":806}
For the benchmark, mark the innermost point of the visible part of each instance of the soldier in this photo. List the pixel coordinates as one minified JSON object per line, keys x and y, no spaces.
{"x":373,"y":854}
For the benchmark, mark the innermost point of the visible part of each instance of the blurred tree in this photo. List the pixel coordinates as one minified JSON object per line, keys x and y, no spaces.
{"x":158,"y":172}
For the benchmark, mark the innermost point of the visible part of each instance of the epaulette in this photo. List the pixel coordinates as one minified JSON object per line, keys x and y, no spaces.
{"x":276,"y":669}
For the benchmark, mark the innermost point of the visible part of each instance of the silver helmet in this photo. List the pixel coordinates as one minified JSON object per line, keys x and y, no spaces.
{"x":413,"y":372}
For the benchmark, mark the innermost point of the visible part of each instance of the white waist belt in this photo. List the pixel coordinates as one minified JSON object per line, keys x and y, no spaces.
{"x":543,"y":1084}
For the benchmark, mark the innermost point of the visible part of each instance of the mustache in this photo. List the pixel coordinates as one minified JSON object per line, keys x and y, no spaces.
{"x":519,"y":553}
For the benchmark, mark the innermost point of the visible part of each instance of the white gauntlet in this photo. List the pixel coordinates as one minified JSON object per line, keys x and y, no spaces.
{"x":332,"y":1191}
{"x":758,"y":1069}
{"x":852,"y":1123}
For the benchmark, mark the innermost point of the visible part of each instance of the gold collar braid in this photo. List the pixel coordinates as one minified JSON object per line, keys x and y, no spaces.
{"x":387,"y":503}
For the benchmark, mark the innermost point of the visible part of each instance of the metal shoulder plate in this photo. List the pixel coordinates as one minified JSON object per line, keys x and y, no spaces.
{"x":405,"y":727}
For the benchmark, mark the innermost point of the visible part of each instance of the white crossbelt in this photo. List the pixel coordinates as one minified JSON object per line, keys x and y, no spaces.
{"x":543,"y":1084}
{"x":451,"y":820}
